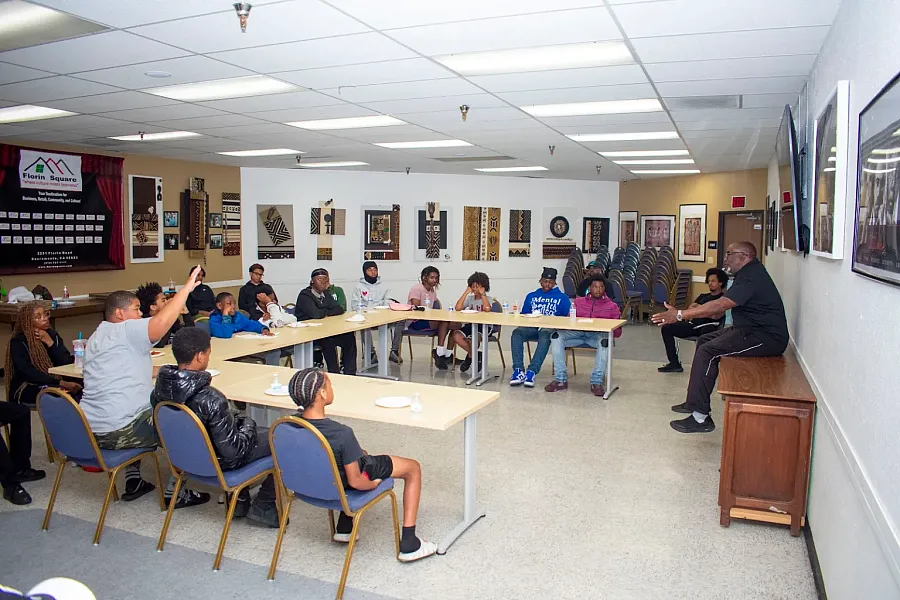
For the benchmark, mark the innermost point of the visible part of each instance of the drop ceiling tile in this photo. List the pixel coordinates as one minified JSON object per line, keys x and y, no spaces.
{"x":59,"y":137}
{"x":450,"y":104}
{"x":602,"y":120}
{"x":769,"y":100}
{"x":766,"y":66}
{"x":628,"y":146}
{"x":565,"y":78}
{"x":311,"y":54}
{"x":686,"y":126}
{"x":399,"y":133}
{"x":725,"y":114}
{"x":563,"y":27}
{"x":188,"y":69}
{"x":10,"y":73}
{"x":204,"y":144}
{"x":475,"y":118}
{"x":684,"y":17}
{"x":405,"y":91}
{"x":252,"y":104}
{"x":257,"y":129}
{"x":110,"y":12}
{"x":584,"y":94}
{"x":337,"y":111}
{"x":199,"y":123}
{"x":180,"y":110}
{"x":736,"y":44}
{"x":91,"y":124}
{"x":613,"y":128}
{"x":394,"y":71}
{"x":91,"y":52}
{"x":713,"y":87}
{"x":109,"y":102}
{"x":268,"y":24}
{"x":51,"y":88}
{"x":736,"y":132}
{"x":18,"y":130}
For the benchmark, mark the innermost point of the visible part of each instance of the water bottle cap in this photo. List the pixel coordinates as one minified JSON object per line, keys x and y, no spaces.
{"x":79,"y":335}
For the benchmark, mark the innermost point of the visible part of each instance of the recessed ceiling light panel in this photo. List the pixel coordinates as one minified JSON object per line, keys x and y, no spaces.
{"x":663,"y":161}
{"x":511,"y":169}
{"x":237,"y":87}
{"x":348,"y":123}
{"x":666,"y":172}
{"x":544,"y":58}
{"x":642,"y":153}
{"x":609,"y":107}
{"x":156,"y":137}
{"x":423,"y":144}
{"x":267,"y":152}
{"x":28,"y":112}
{"x":332,"y":165}
{"x":625,"y":137}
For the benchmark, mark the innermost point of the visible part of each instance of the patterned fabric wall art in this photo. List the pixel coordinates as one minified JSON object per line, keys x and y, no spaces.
{"x":274,"y":229}
{"x":231,"y":224}
{"x":146,"y":207}
{"x":326,"y":221}
{"x":432,"y":233}
{"x":519,"y":233}
{"x":557,"y":240}
{"x":195,"y":228}
{"x":628,"y":227}
{"x":595,"y":233}
{"x":381,"y":232}
{"x":481,"y":233}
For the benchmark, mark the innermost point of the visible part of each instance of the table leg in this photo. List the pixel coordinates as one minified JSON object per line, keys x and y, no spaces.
{"x":474,"y":346}
{"x":303,"y":354}
{"x":273,"y":358}
{"x":383,"y":355}
{"x":471,"y":514}
{"x":485,"y":339}
{"x":610,"y":388}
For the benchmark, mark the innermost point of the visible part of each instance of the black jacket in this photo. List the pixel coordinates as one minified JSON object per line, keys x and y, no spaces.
{"x":247,"y":298}
{"x":310,"y":307}
{"x":24,"y":370}
{"x":202,"y":298}
{"x":233,"y":435}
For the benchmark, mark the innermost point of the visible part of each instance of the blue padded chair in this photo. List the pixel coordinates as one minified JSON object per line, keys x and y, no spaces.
{"x":307,"y":470}
{"x":202,"y":323}
{"x":411,"y":333}
{"x":495,"y":332}
{"x":72,"y":440}
{"x":191,"y":454}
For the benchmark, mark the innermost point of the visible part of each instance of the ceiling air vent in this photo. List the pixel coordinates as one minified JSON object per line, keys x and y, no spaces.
{"x":705,"y":102}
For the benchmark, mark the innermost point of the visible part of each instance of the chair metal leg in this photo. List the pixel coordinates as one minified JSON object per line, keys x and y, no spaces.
{"x":349,"y":557}
{"x":500,"y":350}
{"x":331,"y":523}
{"x":59,"y":473}
{"x":159,"y":483}
{"x":51,"y":454}
{"x":409,"y":342}
{"x":396,"y":523}
{"x":172,"y":502}
{"x":115,"y":492}
{"x":574,"y":366}
{"x":528,"y":346}
{"x":228,"y":516}
{"x":110,"y":489}
{"x":281,"y":525}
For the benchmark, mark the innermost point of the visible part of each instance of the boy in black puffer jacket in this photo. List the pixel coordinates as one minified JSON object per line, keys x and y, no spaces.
{"x":234,"y":436}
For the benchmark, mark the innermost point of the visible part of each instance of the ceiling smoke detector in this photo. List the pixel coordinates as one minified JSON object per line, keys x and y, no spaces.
{"x":243,"y":12}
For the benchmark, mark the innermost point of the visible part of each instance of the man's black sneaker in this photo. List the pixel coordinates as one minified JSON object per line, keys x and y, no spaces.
{"x":690,"y":425}
{"x":671,"y":368}
{"x":264,"y":514}
{"x":192,"y":498}
{"x":682,"y":408}
{"x":29,"y":474}
{"x":464,"y":365}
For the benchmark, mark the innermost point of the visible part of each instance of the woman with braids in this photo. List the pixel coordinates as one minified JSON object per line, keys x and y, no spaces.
{"x":311,"y":391}
{"x":152,"y":300}
{"x":33,"y":350}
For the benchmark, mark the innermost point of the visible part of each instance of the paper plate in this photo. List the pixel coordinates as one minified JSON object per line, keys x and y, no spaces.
{"x":585,"y":320}
{"x":314,"y":324}
{"x":65,"y":303}
{"x":468,"y":311}
{"x":299,"y":324}
{"x":532,"y":316}
{"x":393,"y":402}
{"x":282,"y":392}
{"x":156,"y":353}
{"x":355,"y":319}
{"x":382,"y":308}
{"x":213,"y":372}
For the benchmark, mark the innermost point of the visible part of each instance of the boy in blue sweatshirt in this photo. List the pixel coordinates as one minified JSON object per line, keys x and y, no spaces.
{"x":549,"y":301}
{"x":225,"y":321}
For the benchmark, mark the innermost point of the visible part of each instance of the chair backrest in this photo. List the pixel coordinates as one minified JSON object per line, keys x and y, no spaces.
{"x":204,"y":324}
{"x":305,"y":462}
{"x":185,"y":440}
{"x":289,"y":308}
{"x":66,"y":425}
{"x":497,"y":308}
{"x":569,"y":286}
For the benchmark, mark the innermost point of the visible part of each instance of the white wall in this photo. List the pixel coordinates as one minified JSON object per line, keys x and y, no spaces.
{"x":846,"y":330}
{"x":511,"y":278}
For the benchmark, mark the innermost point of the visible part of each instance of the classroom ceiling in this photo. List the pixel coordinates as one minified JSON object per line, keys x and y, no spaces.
{"x":721,"y":70}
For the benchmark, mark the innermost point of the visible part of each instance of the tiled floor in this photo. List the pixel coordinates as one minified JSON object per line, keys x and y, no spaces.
{"x":585,"y":498}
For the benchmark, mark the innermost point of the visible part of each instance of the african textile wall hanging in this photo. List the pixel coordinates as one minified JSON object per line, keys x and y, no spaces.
{"x":519,"y":233}
{"x":595,"y":233}
{"x":481,"y":233}
{"x":231,"y":224}
{"x":326,"y":221}
{"x":274,"y":227}
{"x":557,"y":235}
{"x":432,"y":233}
{"x":146,"y":197}
{"x":195,"y":224}
{"x":381,"y":232}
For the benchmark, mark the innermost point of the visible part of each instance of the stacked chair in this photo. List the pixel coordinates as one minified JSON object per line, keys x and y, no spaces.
{"x":603,"y":259}
{"x":682,"y":288}
{"x":663,"y":279}
{"x":618,"y":259}
{"x":574,"y":272}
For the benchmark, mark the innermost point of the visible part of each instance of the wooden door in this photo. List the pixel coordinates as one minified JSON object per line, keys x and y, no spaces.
{"x":740,"y":226}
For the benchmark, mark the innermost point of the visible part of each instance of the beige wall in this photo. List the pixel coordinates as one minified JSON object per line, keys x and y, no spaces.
{"x":663,"y":196}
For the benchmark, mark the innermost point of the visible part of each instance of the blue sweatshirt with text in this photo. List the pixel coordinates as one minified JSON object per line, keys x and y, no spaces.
{"x":551,"y":304}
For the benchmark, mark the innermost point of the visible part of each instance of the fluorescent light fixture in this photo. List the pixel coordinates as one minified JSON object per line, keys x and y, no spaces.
{"x":19,"y":14}
{"x":878,"y":171}
{"x":424,"y":144}
{"x":511,"y":169}
{"x":642,"y":153}
{"x":625,"y":137}
{"x":886,"y":151}
{"x":578,"y":109}
{"x":667,"y":172}
{"x":830,"y":170}
{"x":218,"y":89}
{"x":544,"y":58}
{"x":156,"y":137}
{"x":896,"y":133}
{"x":28,"y":112}
{"x":348,"y":123}
{"x":663,"y":161}
{"x":832,"y":159}
{"x":884,"y":161}
{"x":268,"y":152}
{"x":327,"y":165}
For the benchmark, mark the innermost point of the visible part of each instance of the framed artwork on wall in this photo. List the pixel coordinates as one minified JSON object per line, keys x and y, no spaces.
{"x":274,"y":231}
{"x":146,"y":198}
{"x":215,"y":220}
{"x":171,"y":241}
{"x":692,"y":224}
{"x":657,"y":231}
{"x":829,"y":193}
{"x":628,"y":227}
{"x":381,"y":232}
{"x":215,"y":241}
{"x":170,"y":218}
{"x":876,"y":238}
{"x":594,"y":234}
{"x":432,"y":233}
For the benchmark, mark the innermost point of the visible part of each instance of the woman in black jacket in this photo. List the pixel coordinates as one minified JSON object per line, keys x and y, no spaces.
{"x":234,"y":436}
{"x":315,"y":302}
{"x":33,"y":350}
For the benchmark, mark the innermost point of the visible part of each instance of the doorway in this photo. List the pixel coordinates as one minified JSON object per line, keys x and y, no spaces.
{"x":740,"y":226}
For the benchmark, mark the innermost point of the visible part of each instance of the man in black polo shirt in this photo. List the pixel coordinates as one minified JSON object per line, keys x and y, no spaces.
{"x":760,"y":329}
{"x":717,"y":280}
{"x":252,"y":292}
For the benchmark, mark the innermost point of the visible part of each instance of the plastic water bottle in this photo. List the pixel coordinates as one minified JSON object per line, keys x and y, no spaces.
{"x":427,"y":303}
{"x":572,"y":313}
{"x":360,"y":308}
{"x":416,"y":404}
{"x":65,"y":293}
{"x":515,"y":309}
{"x":505,"y":306}
{"x":78,"y":351}
{"x":171,"y":286}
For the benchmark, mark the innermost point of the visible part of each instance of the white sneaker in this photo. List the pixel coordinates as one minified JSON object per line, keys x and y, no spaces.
{"x":425,"y":550}
{"x":343,"y":538}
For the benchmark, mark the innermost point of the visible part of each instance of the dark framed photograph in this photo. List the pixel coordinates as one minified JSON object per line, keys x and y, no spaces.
{"x":170,"y":218}
{"x":171,"y":241}
{"x":215,"y":241}
{"x":876,"y":235}
{"x":215,"y":220}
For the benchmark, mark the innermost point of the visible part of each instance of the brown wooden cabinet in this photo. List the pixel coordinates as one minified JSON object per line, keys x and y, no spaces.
{"x":767,"y":438}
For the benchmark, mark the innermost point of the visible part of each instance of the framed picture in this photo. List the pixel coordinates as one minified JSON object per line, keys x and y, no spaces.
{"x":215,"y":241}
{"x":171,"y":241}
{"x":829,"y":160}
{"x":146,"y":199}
{"x":215,"y":220}
{"x":657,"y":231}
{"x":876,"y":237}
{"x":692,"y":224}
{"x":170,"y":218}
{"x":628,"y":227}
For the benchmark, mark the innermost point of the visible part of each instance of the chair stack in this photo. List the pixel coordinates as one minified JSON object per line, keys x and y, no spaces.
{"x":643,"y":278}
{"x":618,"y":259}
{"x":603,"y":259}
{"x":663,"y":278}
{"x":682,"y":287}
{"x":632,"y":258}
{"x":574,"y":272}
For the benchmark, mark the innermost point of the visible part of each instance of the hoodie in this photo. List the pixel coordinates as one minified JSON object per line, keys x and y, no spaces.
{"x":247,"y":298}
{"x":233,"y":435}
{"x":371,"y":294}
{"x":310,"y":306}
{"x":220,"y":327}
{"x":604,"y":308}
{"x":550,"y":304}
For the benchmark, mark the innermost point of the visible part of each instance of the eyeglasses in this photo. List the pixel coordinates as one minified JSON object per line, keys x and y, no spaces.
{"x":257,"y":273}
{"x":731,"y":253}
